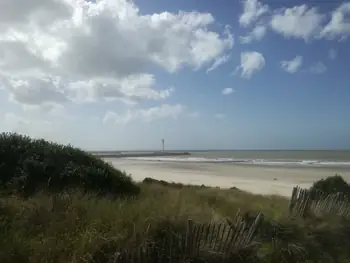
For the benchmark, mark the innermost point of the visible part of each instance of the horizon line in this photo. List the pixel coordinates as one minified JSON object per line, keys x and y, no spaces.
{"x":215,"y":150}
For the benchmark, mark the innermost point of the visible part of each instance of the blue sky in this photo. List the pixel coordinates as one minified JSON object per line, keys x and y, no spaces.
{"x":116,"y":74}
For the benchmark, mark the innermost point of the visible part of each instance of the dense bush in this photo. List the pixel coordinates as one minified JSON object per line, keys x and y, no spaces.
{"x":30,"y":165}
{"x":331,"y":185}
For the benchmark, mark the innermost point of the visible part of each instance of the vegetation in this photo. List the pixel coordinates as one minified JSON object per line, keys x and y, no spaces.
{"x":55,"y":225}
{"x":332,"y":185}
{"x":86,"y":228}
{"x":76,"y":227}
{"x":28,"y":166}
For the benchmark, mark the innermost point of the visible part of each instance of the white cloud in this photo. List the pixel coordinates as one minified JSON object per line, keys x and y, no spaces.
{"x":318,"y":68}
{"x":227,"y":91}
{"x":50,"y":109}
{"x":252,"y":10}
{"x":146,"y":115}
{"x":298,"y":22}
{"x":257,"y":33}
{"x":251,"y":62}
{"x":218,"y":62}
{"x":129,"y":89}
{"x":292,"y":66}
{"x":339,"y":25}
{"x":35,"y":91}
{"x":332,"y":54}
{"x":16,"y":57}
{"x":18,"y":12}
{"x":100,"y":50}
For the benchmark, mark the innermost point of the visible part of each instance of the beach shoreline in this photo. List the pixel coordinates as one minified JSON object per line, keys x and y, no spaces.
{"x":257,"y":179}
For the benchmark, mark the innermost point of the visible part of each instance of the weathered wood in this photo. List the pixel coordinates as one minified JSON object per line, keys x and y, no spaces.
{"x":303,"y":204}
{"x":219,"y":240}
{"x":231,"y":237}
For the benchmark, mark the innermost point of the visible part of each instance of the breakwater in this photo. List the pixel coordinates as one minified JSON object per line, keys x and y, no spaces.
{"x":118,"y":154}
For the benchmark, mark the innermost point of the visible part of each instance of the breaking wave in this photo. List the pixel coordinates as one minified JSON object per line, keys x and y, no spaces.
{"x":301,"y":163}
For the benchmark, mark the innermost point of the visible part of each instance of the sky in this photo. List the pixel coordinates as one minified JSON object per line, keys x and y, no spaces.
{"x":202,"y":74}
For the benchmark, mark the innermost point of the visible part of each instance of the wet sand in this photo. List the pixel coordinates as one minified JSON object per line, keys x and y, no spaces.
{"x":255,"y":179}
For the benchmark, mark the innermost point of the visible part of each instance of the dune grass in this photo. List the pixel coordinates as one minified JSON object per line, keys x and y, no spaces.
{"x":74,"y":227}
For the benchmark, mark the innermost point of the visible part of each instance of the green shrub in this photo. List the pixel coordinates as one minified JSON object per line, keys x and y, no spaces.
{"x":30,"y":165}
{"x":331,"y":185}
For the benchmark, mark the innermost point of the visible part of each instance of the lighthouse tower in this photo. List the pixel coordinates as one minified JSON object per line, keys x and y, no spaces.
{"x":163,"y":145}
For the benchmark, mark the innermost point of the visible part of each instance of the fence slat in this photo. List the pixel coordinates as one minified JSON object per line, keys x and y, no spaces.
{"x":223,"y":239}
{"x":302,"y":203}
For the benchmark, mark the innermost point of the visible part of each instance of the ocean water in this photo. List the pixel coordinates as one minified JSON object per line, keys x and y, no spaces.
{"x":268,"y":158}
{"x":277,"y":155}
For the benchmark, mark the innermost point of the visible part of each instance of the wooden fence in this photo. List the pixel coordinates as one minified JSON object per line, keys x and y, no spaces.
{"x":219,"y":242}
{"x":303,"y":203}
{"x":229,"y":241}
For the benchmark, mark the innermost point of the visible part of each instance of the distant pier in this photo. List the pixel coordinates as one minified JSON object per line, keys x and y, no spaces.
{"x":116,"y":154}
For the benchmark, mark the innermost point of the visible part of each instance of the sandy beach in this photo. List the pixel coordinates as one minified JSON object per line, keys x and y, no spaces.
{"x":255,"y":179}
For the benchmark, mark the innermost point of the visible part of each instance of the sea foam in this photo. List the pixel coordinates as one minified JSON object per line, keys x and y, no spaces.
{"x":301,"y":163}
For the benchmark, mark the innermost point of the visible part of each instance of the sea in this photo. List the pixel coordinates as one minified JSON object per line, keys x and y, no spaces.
{"x":293,"y":158}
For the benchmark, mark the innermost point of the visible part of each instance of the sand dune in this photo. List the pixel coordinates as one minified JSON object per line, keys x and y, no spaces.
{"x":255,"y":179}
